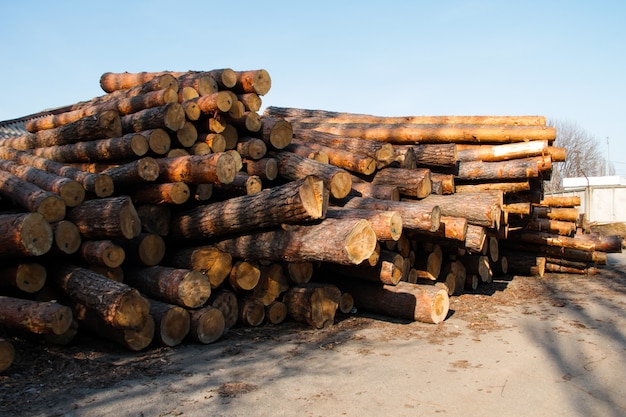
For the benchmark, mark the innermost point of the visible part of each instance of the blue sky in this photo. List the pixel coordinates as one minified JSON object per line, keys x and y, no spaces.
{"x":565,"y":60}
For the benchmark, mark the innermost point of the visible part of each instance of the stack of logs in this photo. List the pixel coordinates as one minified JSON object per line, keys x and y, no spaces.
{"x":169,"y":209}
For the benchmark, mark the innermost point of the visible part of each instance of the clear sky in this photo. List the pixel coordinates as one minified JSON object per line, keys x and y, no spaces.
{"x":565,"y":60}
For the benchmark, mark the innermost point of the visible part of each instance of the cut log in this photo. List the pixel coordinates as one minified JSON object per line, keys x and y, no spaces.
{"x":542,"y":238}
{"x":215,"y":102}
{"x":145,"y":169}
{"x":386,"y":224}
{"x":172,"y":323}
{"x":217,"y":168}
{"x":294,"y":167}
{"x":560,"y":201}
{"x":552,"y":226}
{"x":453,"y":277}
{"x":99,"y":184}
{"x":134,"y":339}
{"x":154,"y":219}
{"x":440,"y":156}
{"x":207,"y":325}
{"x":361,"y":188}
{"x":294,"y":202}
{"x":442,"y":184}
{"x":33,"y":316}
{"x":106,"y":218}
{"x":24,"y":234}
{"x":244,"y":276}
{"x":183,"y":287}
{"x":215,"y":140}
{"x":276,"y":312}
{"x":110,"y":81}
{"x":313,"y":303}
{"x":102,"y":252}
{"x":506,"y":187}
{"x":607,"y":244}
{"x":251,"y":148}
{"x":300,"y":272}
{"x":568,"y":214}
{"x":358,"y":163}
{"x":272,"y":283}
{"x":243,"y":184}
{"x":390,"y":270}
{"x":482,"y":209}
{"x":516,"y":169}
{"x":410,"y":182}
{"x":424,"y":303}
{"x":526,"y":264}
{"x":170,"y":116}
{"x":254,"y":81}
{"x":115,"y":274}
{"x":251,"y":312}
{"x":31,"y":198}
{"x":416,"y":215}
{"x":342,"y":241}
{"x":265,"y":168}
{"x":69,"y":190}
{"x":226,"y":302}
{"x":428,"y":264}
{"x":115,"y":303}
{"x":208,"y":260}
{"x":168,"y":193}
{"x":7,"y":354}
{"x":478,"y":265}
{"x":26,"y":277}
{"x":493,"y":153}
{"x":146,"y":249}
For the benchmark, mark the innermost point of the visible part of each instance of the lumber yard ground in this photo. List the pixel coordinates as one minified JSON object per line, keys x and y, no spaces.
{"x":522,"y":346}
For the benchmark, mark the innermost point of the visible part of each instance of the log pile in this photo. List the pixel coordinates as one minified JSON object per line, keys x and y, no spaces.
{"x":169,"y":209}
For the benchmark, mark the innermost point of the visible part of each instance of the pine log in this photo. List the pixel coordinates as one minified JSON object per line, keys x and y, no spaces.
{"x":493,"y":153}
{"x":542,"y":238}
{"x":568,"y":214}
{"x":551,"y":226}
{"x":31,"y":198}
{"x":300,"y":272}
{"x":442,"y":184}
{"x":249,"y":123}
{"x":102,"y":252}
{"x":506,"y":187}
{"x":382,"y":153}
{"x":226,"y":302}
{"x":272,"y":283}
{"x":475,"y":238}
{"x":294,"y":167}
{"x":24,"y":234}
{"x":154,"y":194}
{"x":304,"y":150}
{"x":276,"y":312}
{"x":115,"y":303}
{"x":154,"y":219}
{"x":479,"y":265}
{"x":424,"y":303}
{"x":28,"y":277}
{"x":428,"y":264}
{"x":170,"y":116}
{"x":208,"y":260}
{"x":430,"y":133}
{"x":307,"y":115}
{"x":253,"y":81}
{"x":7,"y":354}
{"x":431,"y":155}
{"x":216,"y":141}
{"x":69,"y":190}
{"x":342,"y":241}
{"x":265,"y":168}
{"x":146,"y":249}
{"x":516,"y":169}
{"x":452,"y":277}
{"x":106,"y":218}
{"x":361,"y":188}
{"x":99,"y":184}
{"x":526,"y":264}
{"x":482,"y":209}
{"x":134,"y":339}
{"x":313,"y":303}
{"x":145,"y":169}
{"x":405,"y":157}
{"x":243,"y":184}
{"x":294,"y":202}
{"x":410,"y":182}
{"x":251,"y":312}
{"x":607,"y":244}
{"x":416,"y":215}
{"x":386,"y":224}
{"x":183,"y":287}
{"x":555,"y":252}
{"x":560,"y":201}
{"x":562,"y":269}
{"x":33,"y":316}
{"x":390,"y":270}
{"x":218,"y":168}
{"x":251,"y":148}
{"x":354,"y":162}
{"x":452,"y":228}
{"x":110,"y":81}
{"x":244,"y":276}
{"x":172,"y":323}
{"x":207,"y":325}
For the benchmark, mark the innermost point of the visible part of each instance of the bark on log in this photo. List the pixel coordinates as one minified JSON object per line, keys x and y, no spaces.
{"x":516,"y":169}
{"x":183,"y":287}
{"x":431,"y":155}
{"x":207,"y":325}
{"x":134,"y":339}
{"x":342,"y":241}
{"x":556,"y":213}
{"x":226,"y":302}
{"x":361,"y":188}
{"x":69,"y":190}
{"x":493,"y":153}
{"x":386,"y":224}
{"x":146,"y":249}
{"x":560,"y":201}
{"x":430,"y":133}
{"x":244,"y":276}
{"x":265,"y":168}
{"x":99,"y":184}
{"x":33,"y":316}
{"x":145,"y":169}
{"x":217,"y":168}
{"x":31,"y":198}
{"x":452,"y":228}
{"x":390,"y":269}
{"x":305,"y":151}
{"x":208,"y":260}
{"x":556,"y":252}
{"x":542,"y":238}
{"x":294,"y":202}
{"x":115,"y":303}
{"x":106,"y":218}
{"x":506,"y":187}
{"x":24,"y":234}
{"x":254,"y":81}
{"x":551,"y":226}
{"x":102,"y":252}
{"x":526,"y":264}
{"x":314,"y":304}
{"x":424,"y":303}
{"x":110,"y":81}
{"x":410,"y":182}
{"x":361,"y":164}
{"x":172,"y":323}
{"x":482,"y":209}
{"x":294,"y":167}
{"x":416,"y":215}
{"x":243,"y":184}
{"x":175,"y":193}
{"x":26,"y":277}
{"x":170,"y":116}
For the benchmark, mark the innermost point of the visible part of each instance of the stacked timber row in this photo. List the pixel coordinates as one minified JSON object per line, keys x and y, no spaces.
{"x":485,"y":175}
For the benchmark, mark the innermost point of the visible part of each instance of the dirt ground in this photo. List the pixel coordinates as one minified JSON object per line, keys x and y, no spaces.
{"x":519,"y":346}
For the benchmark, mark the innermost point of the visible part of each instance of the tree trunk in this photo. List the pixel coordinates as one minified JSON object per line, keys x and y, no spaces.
{"x":390,"y":269}
{"x":33,"y":316}
{"x":265,"y":168}
{"x":208,"y":260}
{"x":106,"y":218}
{"x":216,"y":168}
{"x":25,"y":277}
{"x":410,"y":182}
{"x":482,"y":209}
{"x":354,"y":162}
{"x":294,"y":202}
{"x":145,"y":169}
{"x":69,"y":190}
{"x":207,"y":325}
{"x":424,"y":303}
{"x":226,"y":302}
{"x":254,"y":81}
{"x":101,"y":185}
{"x":342,"y":241}
{"x":386,"y":224}
{"x":31,"y":198}
{"x":560,"y":201}
{"x":439,"y":156}
{"x":314,"y":304}
{"x":172,"y":323}
{"x":416,"y":215}
{"x":102,"y":252}
{"x":183,"y":287}
{"x":526,"y":264}
{"x":167,"y":193}
{"x":115,"y":303}
{"x":110,"y":81}
{"x":516,"y":169}
{"x":24,"y":234}
{"x":556,"y":213}
{"x":170,"y":116}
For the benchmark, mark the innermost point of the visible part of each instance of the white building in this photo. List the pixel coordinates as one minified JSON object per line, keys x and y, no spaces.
{"x":602,"y":199}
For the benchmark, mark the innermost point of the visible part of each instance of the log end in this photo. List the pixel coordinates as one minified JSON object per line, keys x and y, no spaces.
{"x":207,"y":325}
{"x":36,"y":235}
{"x":311,"y":194}
{"x":133,"y":310}
{"x":226,"y":168}
{"x":52,"y":208}
{"x":137,"y":340}
{"x":174,"y":118}
{"x":61,"y":320}
{"x":72,"y":193}
{"x":439,"y":307}
{"x":281,"y":134}
{"x":174,"y":326}
{"x":340,"y":184}
{"x":360,"y":242}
